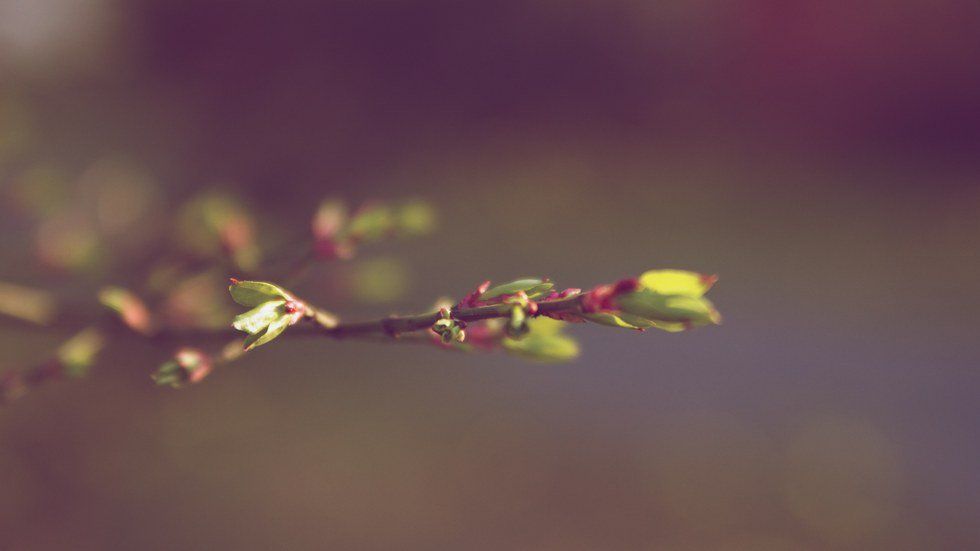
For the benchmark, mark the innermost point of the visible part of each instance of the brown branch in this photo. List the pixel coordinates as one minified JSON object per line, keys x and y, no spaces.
{"x":396,"y":325}
{"x":15,"y":383}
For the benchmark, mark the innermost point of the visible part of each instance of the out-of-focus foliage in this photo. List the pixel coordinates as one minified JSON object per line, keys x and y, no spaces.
{"x":132,"y":311}
{"x":199,"y":300}
{"x":800,"y":149}
{"x":188,"y":365}
{"x":79,"y":353}
{"x":338,"y":232}
{"x":28,"y":304}
{"x":379,"y":280}
{"x":216,"y":223}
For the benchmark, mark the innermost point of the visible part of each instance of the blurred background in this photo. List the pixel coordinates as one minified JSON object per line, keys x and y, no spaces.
{"x":821,"y":157}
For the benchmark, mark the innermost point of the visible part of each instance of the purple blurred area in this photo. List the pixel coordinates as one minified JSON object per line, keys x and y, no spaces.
{"x":821,"y":157}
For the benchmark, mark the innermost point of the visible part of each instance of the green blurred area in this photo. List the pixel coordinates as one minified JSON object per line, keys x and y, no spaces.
{"x":819,"y":158}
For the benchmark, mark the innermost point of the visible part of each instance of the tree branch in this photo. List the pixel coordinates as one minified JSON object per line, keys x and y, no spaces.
{"x":396,"y":325}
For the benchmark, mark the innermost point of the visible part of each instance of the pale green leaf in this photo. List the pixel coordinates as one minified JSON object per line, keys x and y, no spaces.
{"x":260,"y":317}
{"x":653,"y":306}
{"x":254,"y":293}
{"x":272,"y":331}
{"x":531,"y":286}
{"x":670,"y":326}
{"x":613,"y":320}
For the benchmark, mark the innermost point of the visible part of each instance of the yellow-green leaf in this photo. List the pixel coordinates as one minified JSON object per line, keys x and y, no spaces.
{"x":670,"y":326}
{"x":544,"y":348}
{"x":653,"y":306}
{"x":620,"y":320}
{"x":677,"y":282}
{"x":545,"y":342}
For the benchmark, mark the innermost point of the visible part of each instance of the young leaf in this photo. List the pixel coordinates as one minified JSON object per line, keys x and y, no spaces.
{"x":517,"y":326}
{"x":271,"y":331}
{"x":254,"y":293}
{"x":653,"y":306}
{"x":544,"y":343}
{"x":532,"y":287}
{"x":677,"y":282}
{"x":259,"y":318}
{"x":614,"y":320}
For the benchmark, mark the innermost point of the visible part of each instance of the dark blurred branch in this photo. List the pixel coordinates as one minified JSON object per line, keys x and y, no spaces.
{"x":72,"y":359}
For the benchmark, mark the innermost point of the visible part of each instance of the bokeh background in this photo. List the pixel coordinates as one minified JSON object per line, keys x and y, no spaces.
{"x":820,"y":156}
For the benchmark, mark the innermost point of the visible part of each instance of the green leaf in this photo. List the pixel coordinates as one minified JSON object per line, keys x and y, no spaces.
{"x":517,"y":326}
{"x":656,"y":307}
{"x":670,"y":326}
{"x":547,"y":326}
{"x":613,"y":320}
{"x":215,"y":223}
{"x":259,"y":318}
{"x":254,"y":293}
{"x":531,"y":286}
{"x":544,"y":348}
{"x":677,"y":282}
{"x":544,"y":343}
{"x":272,"y":331}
